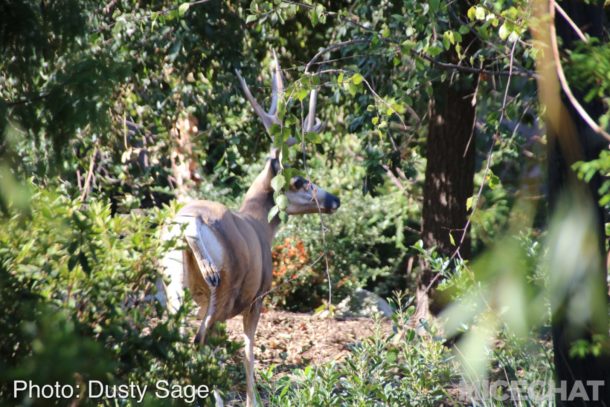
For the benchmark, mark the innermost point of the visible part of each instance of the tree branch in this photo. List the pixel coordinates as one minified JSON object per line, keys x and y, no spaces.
{"x":333,"y":47}
{"x":470,"y":69}
{"x":571,"y":22}
{"x":564,"y":82}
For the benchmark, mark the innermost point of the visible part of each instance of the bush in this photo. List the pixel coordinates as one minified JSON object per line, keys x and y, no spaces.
{"x":74,"y":286}
{"x":391,"y":370}
{"x":363,"y":243}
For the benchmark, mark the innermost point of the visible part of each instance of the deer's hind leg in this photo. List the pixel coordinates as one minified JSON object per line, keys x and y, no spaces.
{"x":206,"y":249}
{"x":199,"y":295}
{"x":250,"y":317}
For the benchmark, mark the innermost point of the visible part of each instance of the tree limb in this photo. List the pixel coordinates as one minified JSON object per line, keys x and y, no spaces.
{"x":564,"y":82}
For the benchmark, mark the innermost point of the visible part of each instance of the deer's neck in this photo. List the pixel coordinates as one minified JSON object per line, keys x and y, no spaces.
{"x":257,"y":205}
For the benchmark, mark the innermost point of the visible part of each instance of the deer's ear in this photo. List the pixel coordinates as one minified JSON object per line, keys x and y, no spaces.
{"x":274,"y":160}
{"x":275,"y":165}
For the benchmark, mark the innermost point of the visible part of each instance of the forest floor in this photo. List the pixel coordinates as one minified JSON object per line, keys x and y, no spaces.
{"x":294,"y":340}
{"x":289,"y":340}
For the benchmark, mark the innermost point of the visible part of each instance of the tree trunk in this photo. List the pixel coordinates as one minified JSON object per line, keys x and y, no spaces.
{"x":449,"y":175}
{"x":450,"y":153}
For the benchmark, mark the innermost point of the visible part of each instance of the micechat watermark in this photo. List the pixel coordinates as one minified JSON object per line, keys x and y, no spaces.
{"x":537,"y":391}
{"x":98,"y":390}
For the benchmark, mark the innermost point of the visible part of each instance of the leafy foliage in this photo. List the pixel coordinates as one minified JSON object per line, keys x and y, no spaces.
{"x":75,"y":286}
{"x":382,"y":370}
{"x":362,"y":250}
{"x":90,"y":97}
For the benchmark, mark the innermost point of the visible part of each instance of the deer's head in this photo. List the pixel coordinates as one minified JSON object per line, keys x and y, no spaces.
{"x":303,"y":195}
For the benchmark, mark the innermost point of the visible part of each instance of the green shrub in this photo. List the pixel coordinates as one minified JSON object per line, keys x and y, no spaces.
{"x":363,"y":242}
{"x":73,"y":288}
{"x":396,"y":369}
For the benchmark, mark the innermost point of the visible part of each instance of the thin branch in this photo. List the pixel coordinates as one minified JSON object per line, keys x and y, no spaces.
{"x":194,"y":3}
{"x":571,"y":22}
{"x":564,"y":83}
{"x":28,"y":99}
{"x":333,"y":47}
{"x":322,"y":226}
{"x":489,"y":157}
{"x":87,"y":185}
{"x":470,"y":69}
{"x":473,"y":103}
{"x":409,"y":109}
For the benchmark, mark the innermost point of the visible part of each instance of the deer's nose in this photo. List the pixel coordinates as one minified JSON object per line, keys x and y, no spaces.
{"x":333,"y":203}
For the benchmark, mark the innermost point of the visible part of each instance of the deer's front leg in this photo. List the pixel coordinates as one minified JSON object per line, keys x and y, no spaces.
{"x":250,"y":317}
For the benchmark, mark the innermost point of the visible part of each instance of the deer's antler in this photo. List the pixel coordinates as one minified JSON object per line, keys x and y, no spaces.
{"x":312,"y":124}
{"x":270,"y":117}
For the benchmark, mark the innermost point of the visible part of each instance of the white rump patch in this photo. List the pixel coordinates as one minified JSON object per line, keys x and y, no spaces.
{"x":172,"y":295}
{"x":208,"y":244}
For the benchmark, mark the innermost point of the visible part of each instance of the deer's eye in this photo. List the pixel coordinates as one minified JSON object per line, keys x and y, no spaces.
{"x":297,"y":182}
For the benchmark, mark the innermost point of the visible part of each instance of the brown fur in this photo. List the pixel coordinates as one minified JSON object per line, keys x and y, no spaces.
{"x":246,"y":237}
{"x":227,"y":263}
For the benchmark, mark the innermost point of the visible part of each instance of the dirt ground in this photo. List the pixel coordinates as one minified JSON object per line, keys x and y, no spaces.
{"x":290,"y":340}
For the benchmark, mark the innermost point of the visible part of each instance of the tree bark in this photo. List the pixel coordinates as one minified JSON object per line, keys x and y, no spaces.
{"x":449,"y":174}
{"x":450,"y":164}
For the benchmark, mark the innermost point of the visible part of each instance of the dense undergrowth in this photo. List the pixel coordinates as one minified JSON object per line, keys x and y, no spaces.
{"x":74,"y":285}
{"x":414,"y":366}
{"x":77,"y":282}
{"x":91,"y":94}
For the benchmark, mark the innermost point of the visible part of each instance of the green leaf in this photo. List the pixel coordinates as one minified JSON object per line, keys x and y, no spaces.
{"x":251,"y":18}
{"x":385,"y":33}
{"x":184,"y":7}
{"x":317,"y":15}
{"x":503,"y":32}
{"x":469,"y":203}
{"x":278,"y":182}
{"x":433,"y":50}
{"x":479,"y":13}
{"x":493,"y":180}
{"x":274,"y":211}
{"x":282,"y":202}
{"x":321,"y":10}
{"x":357,"y":79}
{"x":352,"y":89}
{"x":313,"y":17}
{"x":301,"y":94}
{"x":407,"y":46}
{"x":449,"y":36}
{"x":276,"y":131}
{"x":472,"y":13}
{"x":283,"y":217}
{"x":451,"y":239}
{"x":291,"y":172}
{"x":313,"y":137}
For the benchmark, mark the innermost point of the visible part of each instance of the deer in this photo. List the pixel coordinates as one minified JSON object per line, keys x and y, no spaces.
{"x":226,"y":262}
